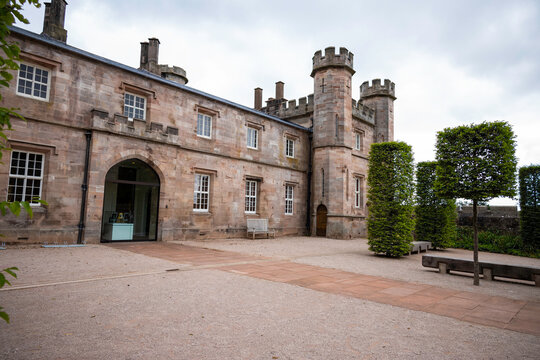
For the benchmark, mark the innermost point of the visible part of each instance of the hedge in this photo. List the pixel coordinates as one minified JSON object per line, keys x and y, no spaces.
{"x":529,"y":202}
{"x":390,"y":198}
{"x":435,"y":216}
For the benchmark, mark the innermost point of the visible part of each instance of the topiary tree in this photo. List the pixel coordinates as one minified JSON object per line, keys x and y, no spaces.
{"x":529,"y":202}
{"x":390,"y":196}
{"x":476,"y":162}
{"x":435,"y":216}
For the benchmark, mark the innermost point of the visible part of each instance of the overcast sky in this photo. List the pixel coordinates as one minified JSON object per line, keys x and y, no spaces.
{"x":453,"y":62}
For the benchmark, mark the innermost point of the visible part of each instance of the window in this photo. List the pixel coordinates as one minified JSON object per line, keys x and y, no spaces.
{"x":289,"y":199}
{"x":134,"y":106}
{"x":359,"y":140}
{"x":289,"y":147}
{"x":25,"y":176}
{"x":252,"y":138}
{"x":358,"y":189}
{"x":33,"y":82}
{"x":251,"y":196}
{"x":204,"y":125}
{"x":201,"y":194}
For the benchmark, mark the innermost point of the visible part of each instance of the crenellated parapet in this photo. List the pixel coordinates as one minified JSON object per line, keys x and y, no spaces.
{"x":363,"y":112}
{"x":378,"y":89}
{"x":292,"y":108}
{"x":173,"y":73}
{"x":331,"y":59}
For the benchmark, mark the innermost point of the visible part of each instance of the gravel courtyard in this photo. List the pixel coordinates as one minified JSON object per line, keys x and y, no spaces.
{"x":99,"y":302}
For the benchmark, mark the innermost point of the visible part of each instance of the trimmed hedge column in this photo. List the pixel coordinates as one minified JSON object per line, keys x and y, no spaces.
{"x":529,"y":202}
{"x":435,"y":216}
{"x":390,"y":196}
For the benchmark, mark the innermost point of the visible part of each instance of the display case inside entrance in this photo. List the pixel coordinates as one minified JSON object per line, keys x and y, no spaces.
{"x":116,"y":232}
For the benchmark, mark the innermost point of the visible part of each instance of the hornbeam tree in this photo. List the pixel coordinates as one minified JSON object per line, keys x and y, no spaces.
{"x":476,"y":162}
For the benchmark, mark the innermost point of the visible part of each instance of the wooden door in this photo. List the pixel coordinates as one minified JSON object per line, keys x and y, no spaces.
{"x":321,"y":220}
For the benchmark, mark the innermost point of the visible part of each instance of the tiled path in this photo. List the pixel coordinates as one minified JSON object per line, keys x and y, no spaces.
{"x":496,"y":311}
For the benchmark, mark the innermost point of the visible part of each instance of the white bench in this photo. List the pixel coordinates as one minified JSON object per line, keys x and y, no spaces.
{"x":259,"y":226}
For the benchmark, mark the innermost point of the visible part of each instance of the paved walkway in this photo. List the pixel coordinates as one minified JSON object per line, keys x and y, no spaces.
{"x":497,"y":311}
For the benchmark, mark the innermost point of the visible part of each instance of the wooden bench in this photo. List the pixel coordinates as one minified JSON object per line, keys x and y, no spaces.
{"x":259,"y":226}
{"x":488,"y":269}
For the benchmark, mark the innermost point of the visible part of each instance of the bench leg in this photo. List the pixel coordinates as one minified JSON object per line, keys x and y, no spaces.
{"x":537,"y":279}
{"x":443,"y":268}
{"x":488,"y":274}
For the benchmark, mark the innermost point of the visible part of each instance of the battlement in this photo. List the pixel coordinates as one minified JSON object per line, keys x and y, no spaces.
{"x":363,"y":112}
{"x":331,"y":59}
{"x":291,"y":108}
{"x":378,"y":89}
{"x":173,"y":73}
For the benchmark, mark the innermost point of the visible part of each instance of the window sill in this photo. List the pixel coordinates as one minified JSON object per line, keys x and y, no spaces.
{"x":204,"y":213}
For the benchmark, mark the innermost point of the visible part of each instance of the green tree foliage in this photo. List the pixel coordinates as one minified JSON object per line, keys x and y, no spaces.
{"x":476,"y":162}
{"x":529,"y":202}
{"x":10,"y":10}
{"x":390,"y":196}
{"x":435,"y":216}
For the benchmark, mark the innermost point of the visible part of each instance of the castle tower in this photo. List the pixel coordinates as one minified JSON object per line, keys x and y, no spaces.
{"x":332,"y":143}
{"x":380,"y":97}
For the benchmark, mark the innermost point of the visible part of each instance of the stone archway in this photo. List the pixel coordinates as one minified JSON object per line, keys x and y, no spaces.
{"x":131,"y":202}
{"x":322,"y":213}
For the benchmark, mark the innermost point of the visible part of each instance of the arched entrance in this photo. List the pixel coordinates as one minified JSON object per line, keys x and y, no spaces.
{"x":321,"y":220}
{"x":130,"y":203}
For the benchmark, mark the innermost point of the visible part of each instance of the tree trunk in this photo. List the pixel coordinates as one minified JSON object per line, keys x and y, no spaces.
{"x":475,"y":256}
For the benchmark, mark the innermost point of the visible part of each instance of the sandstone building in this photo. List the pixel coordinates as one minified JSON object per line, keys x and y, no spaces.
{"x":135,"y":154}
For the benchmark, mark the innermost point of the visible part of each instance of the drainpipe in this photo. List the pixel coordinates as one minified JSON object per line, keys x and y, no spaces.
{"x":84,"y":186}
{"x":308,"y":220}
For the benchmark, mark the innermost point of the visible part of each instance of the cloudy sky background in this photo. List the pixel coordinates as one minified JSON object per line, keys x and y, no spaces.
{"x":453,"y":62}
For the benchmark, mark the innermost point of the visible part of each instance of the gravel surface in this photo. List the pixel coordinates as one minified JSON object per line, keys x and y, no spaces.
{"x":210,"y":314}
{"x":354,"y":256}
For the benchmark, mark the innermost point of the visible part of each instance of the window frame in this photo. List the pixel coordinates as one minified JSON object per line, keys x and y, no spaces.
{"x":358,"y":192}
{"x":289,"y":200}
{"x":255,"y":131}
{"x":199,"y":190}
{"x":33,"y":81}
{"x":135,"y":96}
{"x":291,"y":141}
{"x":251,"y":192}
{"x":204,"y":117}
{"x":359,"y":140}
{"x":26,"y":177}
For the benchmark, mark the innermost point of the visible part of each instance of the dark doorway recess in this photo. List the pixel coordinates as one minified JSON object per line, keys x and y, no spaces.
{"x":130,"y":202}
{"x":321,"y":220}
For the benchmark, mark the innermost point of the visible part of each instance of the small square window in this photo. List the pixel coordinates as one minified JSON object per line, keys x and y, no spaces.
{"x":252,"y":138}
{"x":33,"y":82}
{"x":134,"y":106}
{"x":289,"y":147}
{"x":204,"y":126}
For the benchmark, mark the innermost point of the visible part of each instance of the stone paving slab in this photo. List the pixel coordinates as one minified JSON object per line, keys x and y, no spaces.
{"x":495,"y":311}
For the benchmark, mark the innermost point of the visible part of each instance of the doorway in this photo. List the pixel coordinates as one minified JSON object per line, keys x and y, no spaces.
{"x":130,"y":203}
{"x":321,"y":220}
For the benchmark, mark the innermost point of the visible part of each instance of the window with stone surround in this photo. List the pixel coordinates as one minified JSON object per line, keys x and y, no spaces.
{"x":358,"y":191}
{"x":134,"y":106}
{"x":33,"y":82}
{"x":289,"y":199}
{"x":359,"y":140}
{"x":289,"y":147}
{"x":252,"y":137}
{"x":25,"y":176}
{"x":204,"y":126}
{"x":201,"y":193}
{"x":251,"y":196}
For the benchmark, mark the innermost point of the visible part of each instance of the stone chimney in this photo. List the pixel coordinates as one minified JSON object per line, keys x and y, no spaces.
{"x":258,"y":98}
{"x":153,"y":54}
{"x":53,"y":24}
{"x":279,"y":90}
